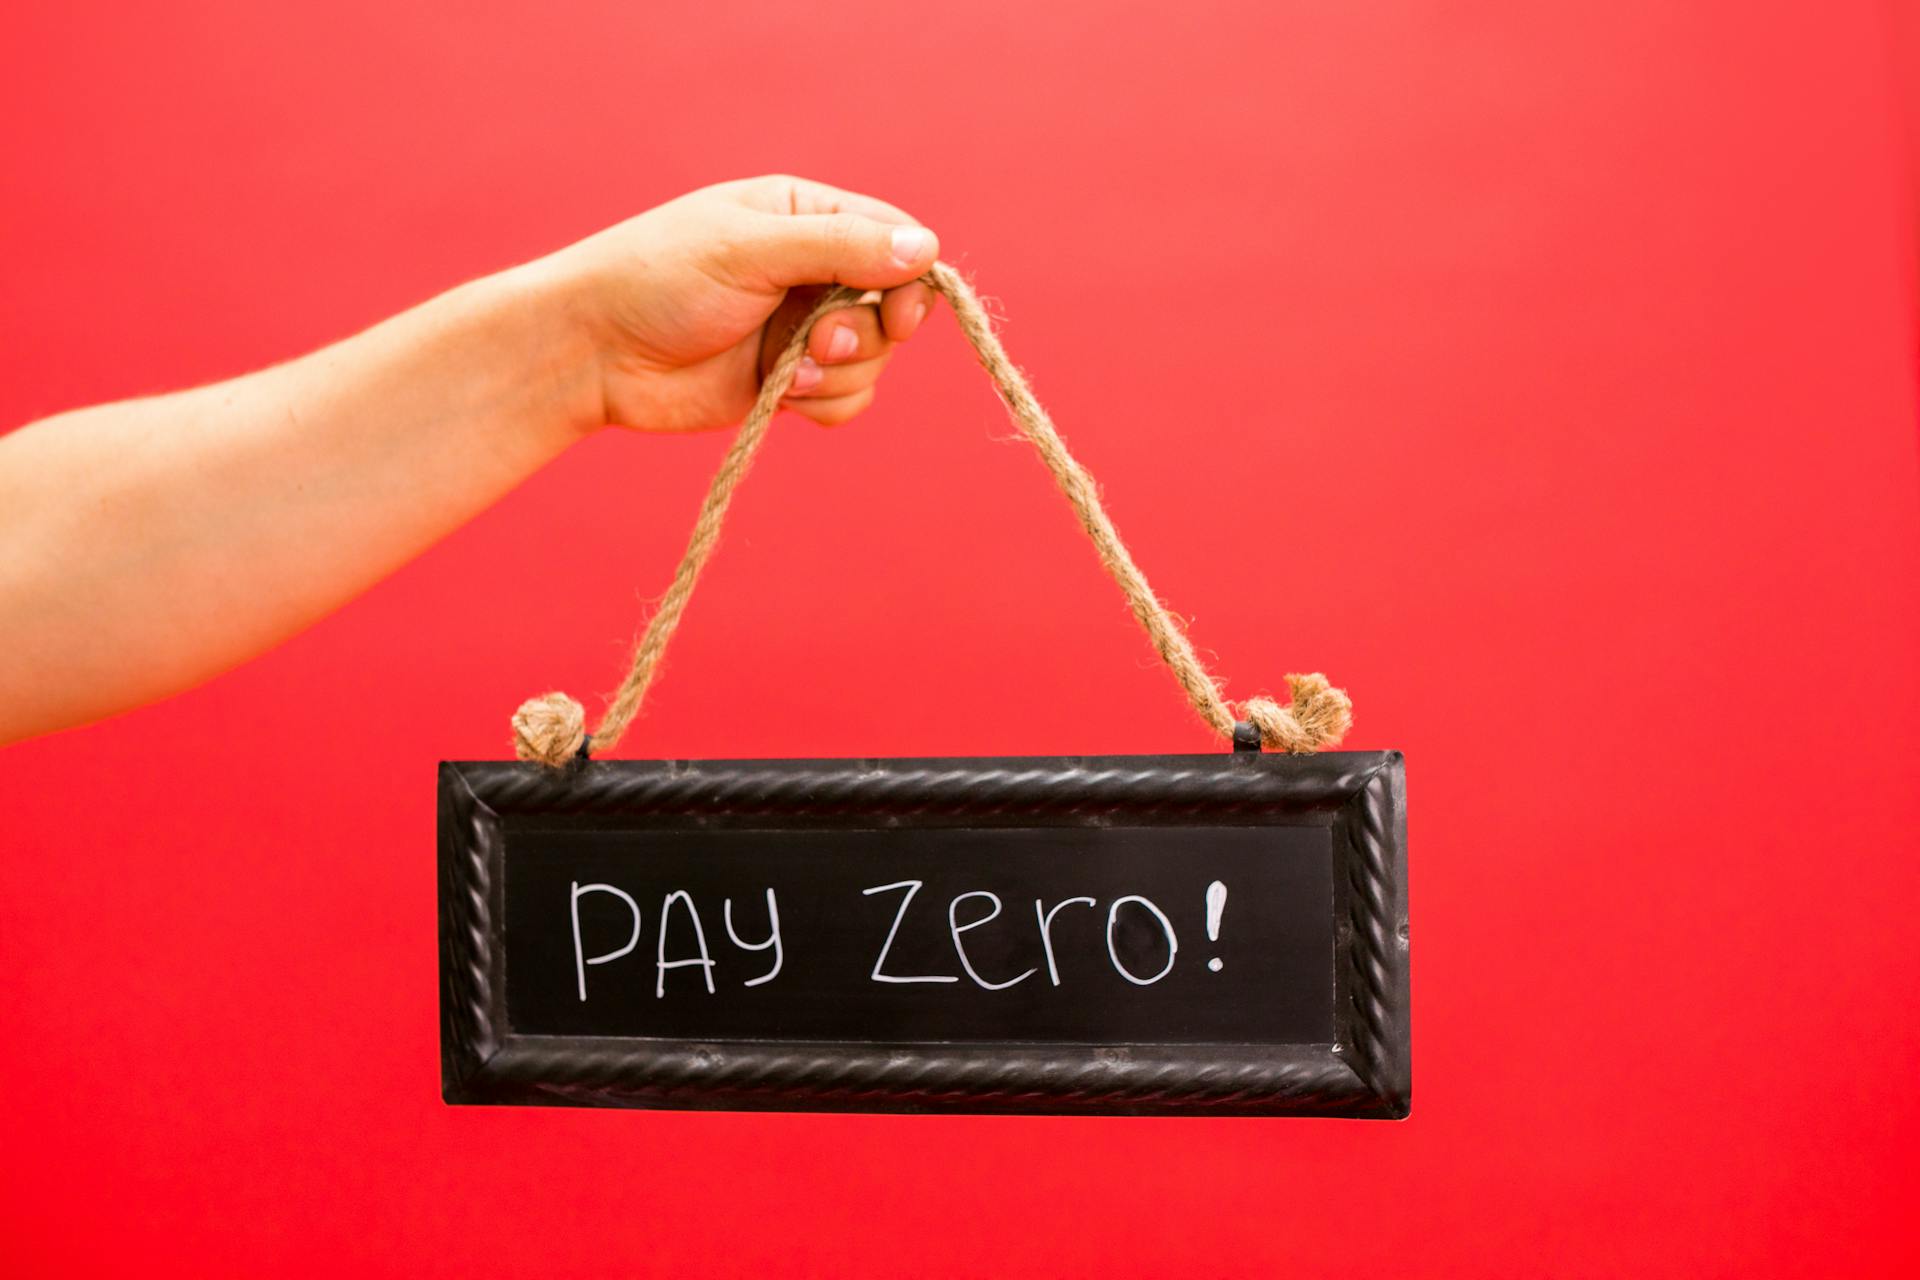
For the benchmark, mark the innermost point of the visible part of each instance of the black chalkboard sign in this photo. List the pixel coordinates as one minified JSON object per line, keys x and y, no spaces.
{"x":1222,"y":934}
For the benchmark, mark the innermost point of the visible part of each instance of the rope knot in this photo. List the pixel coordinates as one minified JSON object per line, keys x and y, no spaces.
{"x":549,"y":730}
{"x":1318,"y":719}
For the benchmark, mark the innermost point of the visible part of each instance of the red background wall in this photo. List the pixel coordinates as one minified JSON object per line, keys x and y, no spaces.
{"x":1544,"y":373}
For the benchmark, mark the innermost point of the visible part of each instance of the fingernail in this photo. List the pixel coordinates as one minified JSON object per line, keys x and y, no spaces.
{"x":909,"y":243}
{"x":842,"y":343}
{"x":919,"y":316}
{"x":806,"y":377}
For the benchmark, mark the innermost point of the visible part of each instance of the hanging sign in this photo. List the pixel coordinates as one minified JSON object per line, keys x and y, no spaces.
{"x":1221,"y":934}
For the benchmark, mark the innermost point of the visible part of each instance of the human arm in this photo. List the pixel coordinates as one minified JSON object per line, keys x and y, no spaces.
{"x":148,"y":545}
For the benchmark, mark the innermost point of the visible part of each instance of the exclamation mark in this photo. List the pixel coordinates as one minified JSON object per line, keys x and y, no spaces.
{"x":1216,"y":903}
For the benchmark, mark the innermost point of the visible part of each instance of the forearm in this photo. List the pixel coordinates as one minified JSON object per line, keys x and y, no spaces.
{"x":148,"y":545}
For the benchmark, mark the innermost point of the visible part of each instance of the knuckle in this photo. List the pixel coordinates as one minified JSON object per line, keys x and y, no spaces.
{"x":869,"y":343}
{"x":773,"y":182}
{"x":844,"y":235}
{"x":843,"y":409}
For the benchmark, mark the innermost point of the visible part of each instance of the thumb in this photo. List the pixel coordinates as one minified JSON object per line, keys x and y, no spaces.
{"x":784,"y":250}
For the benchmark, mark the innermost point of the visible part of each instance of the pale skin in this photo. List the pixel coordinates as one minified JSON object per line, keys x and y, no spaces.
{"x":149,"y":545}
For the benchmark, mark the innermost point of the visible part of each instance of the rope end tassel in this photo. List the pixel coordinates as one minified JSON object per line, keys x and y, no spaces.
{"x":1319,"y":717}
{"x":551,"y":730}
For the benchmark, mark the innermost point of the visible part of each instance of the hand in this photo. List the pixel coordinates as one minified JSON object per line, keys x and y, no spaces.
{"x":688,"y":305}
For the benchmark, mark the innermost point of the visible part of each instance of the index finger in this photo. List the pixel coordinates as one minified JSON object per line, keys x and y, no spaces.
{"x":803,"y":195}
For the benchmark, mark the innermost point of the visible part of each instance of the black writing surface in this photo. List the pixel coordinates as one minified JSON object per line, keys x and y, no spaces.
{"x":1122,"y":935}
{"x":1091,"y":934}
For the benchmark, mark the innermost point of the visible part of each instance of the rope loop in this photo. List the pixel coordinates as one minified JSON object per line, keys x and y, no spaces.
{"x":551,"y":729}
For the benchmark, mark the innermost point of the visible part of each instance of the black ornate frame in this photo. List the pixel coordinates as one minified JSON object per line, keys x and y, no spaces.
{"x":1360,"y":795}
